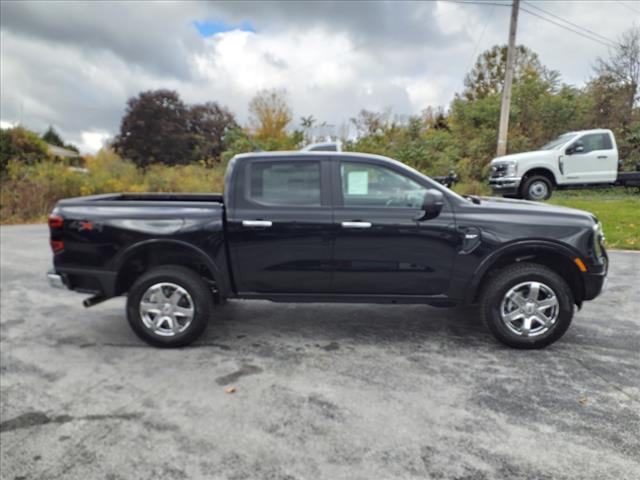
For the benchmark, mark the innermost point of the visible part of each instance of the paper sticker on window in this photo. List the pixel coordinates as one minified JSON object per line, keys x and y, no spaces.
{"x":358,"y":183}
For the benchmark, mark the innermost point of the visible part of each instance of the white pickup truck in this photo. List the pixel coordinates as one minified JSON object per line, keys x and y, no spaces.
{"x":581,"y":159}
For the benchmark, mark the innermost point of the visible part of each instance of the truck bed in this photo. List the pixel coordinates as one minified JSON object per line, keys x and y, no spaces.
{"x":131,"y":198}
{"x":628,"y":179}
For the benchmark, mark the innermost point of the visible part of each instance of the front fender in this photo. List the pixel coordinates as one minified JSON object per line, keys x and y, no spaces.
{"x":552,"y":169}
{"x":521,"y":248}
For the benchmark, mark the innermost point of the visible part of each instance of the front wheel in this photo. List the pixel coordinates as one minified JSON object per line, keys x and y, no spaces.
{"x":527,"y":305}
{"x":537,"y":188}
{"x":169,"y":306}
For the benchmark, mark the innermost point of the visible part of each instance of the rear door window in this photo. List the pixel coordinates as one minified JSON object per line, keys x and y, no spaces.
{"x":285,"y":183}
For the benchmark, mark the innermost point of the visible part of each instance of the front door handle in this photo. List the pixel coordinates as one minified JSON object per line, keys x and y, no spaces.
{"x":256,"y":223}
{"x":356,"y":224}
{"x":602,"y":156}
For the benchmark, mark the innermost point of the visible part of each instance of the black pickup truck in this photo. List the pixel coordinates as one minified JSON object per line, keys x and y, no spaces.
{"x":328,"y":227}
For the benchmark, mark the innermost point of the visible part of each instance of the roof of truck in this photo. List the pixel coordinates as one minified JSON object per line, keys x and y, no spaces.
{"x":593,"y":130}
{"x":314,"y":154}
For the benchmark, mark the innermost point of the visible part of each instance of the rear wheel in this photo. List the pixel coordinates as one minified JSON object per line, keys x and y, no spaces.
{"x":169,"y":306}
{"x":537,"y":188}
{"x":527,"y":306}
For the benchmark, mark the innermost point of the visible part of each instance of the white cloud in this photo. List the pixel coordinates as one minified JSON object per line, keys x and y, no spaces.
{"x":334,"y":60}
{"x":93,"y":141}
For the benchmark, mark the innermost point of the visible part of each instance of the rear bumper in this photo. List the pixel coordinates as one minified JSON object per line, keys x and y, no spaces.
{"x":55,"y":280}
{"x":96,"y":282}
{"x":505,"y":185}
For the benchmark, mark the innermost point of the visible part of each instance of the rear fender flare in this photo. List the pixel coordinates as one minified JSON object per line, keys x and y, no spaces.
{"x":220,"y":278}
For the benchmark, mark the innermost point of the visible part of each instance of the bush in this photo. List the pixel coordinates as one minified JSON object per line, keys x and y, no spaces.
{"x":29,"y":191}
{"x":21,"y":145}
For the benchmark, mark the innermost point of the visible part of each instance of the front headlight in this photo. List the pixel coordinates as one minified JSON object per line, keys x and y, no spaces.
{"x":598,"y":239}
{"x":599,"y":232}
{"x":512,"y":169}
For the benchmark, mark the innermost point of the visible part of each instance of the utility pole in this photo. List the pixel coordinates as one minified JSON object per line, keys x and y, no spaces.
{"x":508,"y":81}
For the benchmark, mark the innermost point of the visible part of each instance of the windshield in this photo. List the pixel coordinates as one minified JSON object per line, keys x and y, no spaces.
{"x":561,"y":140}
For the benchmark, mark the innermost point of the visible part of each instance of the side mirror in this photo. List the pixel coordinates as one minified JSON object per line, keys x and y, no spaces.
{"x":432,"y":204}
{"x":575,"y":148}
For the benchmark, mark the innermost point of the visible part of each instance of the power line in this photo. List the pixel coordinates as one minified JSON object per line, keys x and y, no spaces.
{"x":628,"y":6}
{"x":570,"y":23}
{"x":577,"y":32}
{"x":475,"y":48}
{"x":608,"y":42}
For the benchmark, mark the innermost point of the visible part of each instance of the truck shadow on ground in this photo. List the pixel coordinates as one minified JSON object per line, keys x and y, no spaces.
{"x":255,"y":322}
{"x":333,"y":324}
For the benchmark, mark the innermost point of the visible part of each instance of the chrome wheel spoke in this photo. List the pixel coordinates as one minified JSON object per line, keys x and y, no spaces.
{"x":183,"y":311}
{"x":526,"y":326}
{"x":518,"y":299}
{"x":157,"y":323}
{"x":534,"y":291}
{"x":175,"y":326}
{"x":542,"y":319}
{"x":175,"y":297}
{"x":547,"y":303}
{"x":151,"y":307}
{"x":513,"y":316}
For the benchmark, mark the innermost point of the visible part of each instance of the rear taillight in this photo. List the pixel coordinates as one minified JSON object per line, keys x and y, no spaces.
{"x":55,"y":221}
{"x":56,"y":245}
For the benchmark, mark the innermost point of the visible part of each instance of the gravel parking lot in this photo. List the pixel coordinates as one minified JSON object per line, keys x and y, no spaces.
{"x":322,"y":391}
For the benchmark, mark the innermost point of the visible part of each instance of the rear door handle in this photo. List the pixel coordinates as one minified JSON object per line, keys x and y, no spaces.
{"x":356,"y":224}
{"x":602,"y":156}
{"x":256,"y":223}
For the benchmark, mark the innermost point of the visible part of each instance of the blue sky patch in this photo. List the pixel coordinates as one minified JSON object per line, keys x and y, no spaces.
{"x":208,"y":28}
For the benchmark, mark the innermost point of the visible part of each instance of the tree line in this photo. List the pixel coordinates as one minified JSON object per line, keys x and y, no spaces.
{"x":159,"y":127}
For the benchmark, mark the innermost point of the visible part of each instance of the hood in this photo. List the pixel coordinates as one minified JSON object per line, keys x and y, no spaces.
{"x":515,"y":157}
{"x":527,"y":208}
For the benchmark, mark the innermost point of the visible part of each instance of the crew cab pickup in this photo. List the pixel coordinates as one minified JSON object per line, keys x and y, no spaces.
{"x":584,"y":159}
{"x":328,"y":227}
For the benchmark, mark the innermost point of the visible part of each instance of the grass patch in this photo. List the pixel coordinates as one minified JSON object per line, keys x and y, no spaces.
{"x":617,"y":209}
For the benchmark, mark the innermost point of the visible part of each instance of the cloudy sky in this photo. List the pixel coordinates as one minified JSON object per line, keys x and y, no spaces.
{"x":74,"y":64}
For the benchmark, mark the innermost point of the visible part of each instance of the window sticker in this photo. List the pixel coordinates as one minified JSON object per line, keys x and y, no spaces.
{"x":358,"y":183}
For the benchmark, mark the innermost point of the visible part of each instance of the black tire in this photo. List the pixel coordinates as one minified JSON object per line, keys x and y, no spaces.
{"x":201,"y":301}
{"x":508,"y":278}
{"x":537,"y":188}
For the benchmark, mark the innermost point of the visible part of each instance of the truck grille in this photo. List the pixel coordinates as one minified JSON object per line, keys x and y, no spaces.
{"x":498,"y":171}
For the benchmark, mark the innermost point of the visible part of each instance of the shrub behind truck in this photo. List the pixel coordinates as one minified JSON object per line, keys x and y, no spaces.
{"x":328,"y":227}
{"x":584,"y":159}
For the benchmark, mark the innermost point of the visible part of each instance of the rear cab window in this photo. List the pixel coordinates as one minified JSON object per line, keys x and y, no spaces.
{"x":284,"y":183}
{"x":596,"y":141}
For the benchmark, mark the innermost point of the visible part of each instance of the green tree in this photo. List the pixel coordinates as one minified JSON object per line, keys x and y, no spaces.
{"x":269,"y":115}
{"x":52,"y":137}
{"x":158,"y":127}
{"x":208,"y":124}
{"x":155,"y":129}
{"x":487,"y":75}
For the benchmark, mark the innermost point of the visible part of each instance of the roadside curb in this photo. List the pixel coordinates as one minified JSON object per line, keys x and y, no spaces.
{"x":623,"y":251}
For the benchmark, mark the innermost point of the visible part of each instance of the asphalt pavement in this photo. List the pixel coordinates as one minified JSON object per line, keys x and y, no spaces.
{"x":321,"y":391}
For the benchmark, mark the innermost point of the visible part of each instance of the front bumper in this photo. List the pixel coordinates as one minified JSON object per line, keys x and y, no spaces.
{"x":505,"y":185}
{"x":595,"y":282}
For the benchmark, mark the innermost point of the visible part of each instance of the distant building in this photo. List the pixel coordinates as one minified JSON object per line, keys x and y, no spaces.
{"x":56,"y":151}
